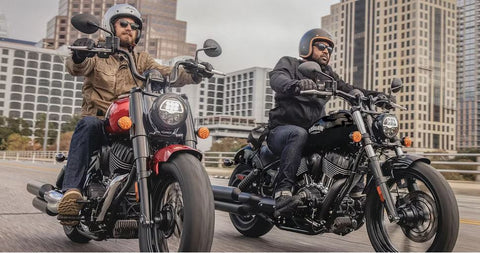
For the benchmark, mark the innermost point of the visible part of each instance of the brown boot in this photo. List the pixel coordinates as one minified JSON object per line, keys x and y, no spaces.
{"x":68,"y":206}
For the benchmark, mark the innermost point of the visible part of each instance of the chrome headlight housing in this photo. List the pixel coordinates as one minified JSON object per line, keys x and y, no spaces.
{"x":387,"y":126}
{"x":168,"y":112}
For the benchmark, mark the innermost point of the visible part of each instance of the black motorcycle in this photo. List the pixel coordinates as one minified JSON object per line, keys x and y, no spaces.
{"x":405,"y":203}
{"x":148,"y":182}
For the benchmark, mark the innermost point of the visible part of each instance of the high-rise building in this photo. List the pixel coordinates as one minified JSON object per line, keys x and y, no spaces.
{"x":468,"y":74}
{"x":163,"y":36}
{"x":414,"y":40}
{"x":233,"y":105}
{"x":33,"y":81}
{"x":3,"y":26}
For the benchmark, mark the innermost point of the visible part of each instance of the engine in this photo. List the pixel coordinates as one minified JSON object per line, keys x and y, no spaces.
{"x":315,"y":189}
{"x":120,"y":158}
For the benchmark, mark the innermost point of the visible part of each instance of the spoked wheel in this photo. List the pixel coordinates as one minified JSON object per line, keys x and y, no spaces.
{"x":428,"y":211}
{"x":248,"y":225}
{"x":182,"y":209}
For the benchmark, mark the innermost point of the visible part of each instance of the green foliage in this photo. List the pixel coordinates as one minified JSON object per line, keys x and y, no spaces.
{"x":17,"y":142}
{"x":40,"y":130}
{"x":70,"y":125}
{"x":228,"y":144}
{"x":9,"y":126}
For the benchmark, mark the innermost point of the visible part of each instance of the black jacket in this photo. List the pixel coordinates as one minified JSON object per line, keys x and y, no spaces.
{"x":292,"y":109}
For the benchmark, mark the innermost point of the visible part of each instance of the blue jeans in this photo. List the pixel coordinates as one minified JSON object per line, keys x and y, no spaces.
{"x":89,"y":136}
{"x":287,"y":141}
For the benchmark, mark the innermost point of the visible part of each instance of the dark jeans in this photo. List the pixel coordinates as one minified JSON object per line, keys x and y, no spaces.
{"x":287,"y":142}
{"x":89,"y":136}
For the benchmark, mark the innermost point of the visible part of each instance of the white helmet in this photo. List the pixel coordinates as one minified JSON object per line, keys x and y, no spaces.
{"x":122,"y":10}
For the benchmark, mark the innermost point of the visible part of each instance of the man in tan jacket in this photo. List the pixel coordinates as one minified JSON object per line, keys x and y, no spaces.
{"x":105,"y":80}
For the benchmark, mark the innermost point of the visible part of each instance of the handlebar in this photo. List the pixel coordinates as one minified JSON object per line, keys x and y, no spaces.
{"x":133,"y":69}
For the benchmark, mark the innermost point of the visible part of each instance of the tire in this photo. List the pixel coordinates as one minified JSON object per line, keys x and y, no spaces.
{"x":182,"y":191}
{"x":72,"y":233}
{"x":247,"y":225}
{"x":423,"y":190}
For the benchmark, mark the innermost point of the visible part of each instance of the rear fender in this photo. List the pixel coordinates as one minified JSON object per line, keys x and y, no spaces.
{"x":166,"y":153}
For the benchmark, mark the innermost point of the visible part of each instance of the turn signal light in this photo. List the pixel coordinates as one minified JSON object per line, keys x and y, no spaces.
{"x":356,"y":136}
{"x":137,"y":196}
{"x":125,"y":123}
{"x":406,"y":141}
{"x":379,"y":191}
{"x":203,"y":132}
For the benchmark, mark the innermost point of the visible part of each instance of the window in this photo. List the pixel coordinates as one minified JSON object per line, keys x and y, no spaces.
{"x":19,"y":53}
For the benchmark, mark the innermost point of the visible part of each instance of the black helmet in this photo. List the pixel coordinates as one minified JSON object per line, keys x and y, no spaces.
{"x":307,"y":40}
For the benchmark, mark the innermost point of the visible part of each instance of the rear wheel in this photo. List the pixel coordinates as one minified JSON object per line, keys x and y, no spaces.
{"x":182,"y":208}
{"x":427,"y":207}
{"x":248,"y":225}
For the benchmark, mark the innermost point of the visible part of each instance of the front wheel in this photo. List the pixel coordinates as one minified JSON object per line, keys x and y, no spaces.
{"x":182,"y":207}
{"x":427,"y":207}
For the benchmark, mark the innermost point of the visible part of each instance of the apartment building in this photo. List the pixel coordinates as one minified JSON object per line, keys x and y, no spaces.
{"x":414,"y":40}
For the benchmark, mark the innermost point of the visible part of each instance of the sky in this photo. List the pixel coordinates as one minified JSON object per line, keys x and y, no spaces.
{"x":252,"y":33}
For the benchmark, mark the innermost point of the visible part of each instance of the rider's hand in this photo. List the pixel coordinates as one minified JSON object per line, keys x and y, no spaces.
{"x":199,"y":73}
{"x":79,"y":56}
{"x":306,"y":84}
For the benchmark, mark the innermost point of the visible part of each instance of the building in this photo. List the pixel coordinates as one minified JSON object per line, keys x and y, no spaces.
{"x":163,"y":36}
{"x":231,"y":106}
{"x":414,"y":40}
{"x":3,"y":26}
{"x":34,"y":81}
{"x":468,"y":74}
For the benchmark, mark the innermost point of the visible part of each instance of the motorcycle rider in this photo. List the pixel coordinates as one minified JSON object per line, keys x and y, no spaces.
{"x":106,"y":79}
{"x":293,"y":115}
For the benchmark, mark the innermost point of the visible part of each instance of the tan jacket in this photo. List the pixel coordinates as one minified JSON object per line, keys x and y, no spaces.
{"x":107,"y":78}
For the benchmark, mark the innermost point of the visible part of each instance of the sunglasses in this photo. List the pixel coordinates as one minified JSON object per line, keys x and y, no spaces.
{"x":124,"y":23}
{"x":322,"y":47}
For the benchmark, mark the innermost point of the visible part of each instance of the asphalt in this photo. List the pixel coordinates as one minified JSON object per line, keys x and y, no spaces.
{"x":471,"y":188}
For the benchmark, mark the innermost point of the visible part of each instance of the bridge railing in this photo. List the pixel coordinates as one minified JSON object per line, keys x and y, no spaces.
{"x":445,"y":163}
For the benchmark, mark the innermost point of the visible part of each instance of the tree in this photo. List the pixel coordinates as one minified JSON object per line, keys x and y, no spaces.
{"x":70,"y":125}
{"x":17,"y":142}
{"x":228,"y":144}
{"x":40,"y":130}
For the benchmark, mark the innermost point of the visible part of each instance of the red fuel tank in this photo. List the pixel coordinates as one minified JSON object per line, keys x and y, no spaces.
{"x":117,"y":109}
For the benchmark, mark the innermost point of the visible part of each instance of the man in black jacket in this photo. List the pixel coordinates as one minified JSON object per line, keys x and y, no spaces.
{"x":294,"y":114}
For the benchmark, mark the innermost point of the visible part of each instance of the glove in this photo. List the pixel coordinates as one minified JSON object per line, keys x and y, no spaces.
{"x":198,"y":74}
{"x":79,"y":56}
{"x":307,"y":84}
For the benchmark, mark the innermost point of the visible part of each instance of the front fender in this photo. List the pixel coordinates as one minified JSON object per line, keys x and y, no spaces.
{"x":401,"y":163}
{"x":164,"y":154}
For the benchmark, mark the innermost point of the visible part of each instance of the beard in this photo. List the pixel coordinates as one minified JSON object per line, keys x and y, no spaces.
{"x":126,"y":41}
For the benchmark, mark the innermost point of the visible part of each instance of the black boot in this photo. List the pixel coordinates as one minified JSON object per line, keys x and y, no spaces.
{"x":285,"y":203}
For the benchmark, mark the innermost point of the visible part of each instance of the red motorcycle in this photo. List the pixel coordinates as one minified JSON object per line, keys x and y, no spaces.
{"x":149,"y":182}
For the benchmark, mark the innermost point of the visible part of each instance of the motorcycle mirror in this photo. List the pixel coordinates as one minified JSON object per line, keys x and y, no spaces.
{"x":211,"y":48}
{"x":311,"y":70}
{"x":85,"y":23}
{"x":396,"y":85}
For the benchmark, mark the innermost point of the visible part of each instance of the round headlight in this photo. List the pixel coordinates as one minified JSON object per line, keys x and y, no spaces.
{"x":387,"y":124}
{"x":168,"y":112}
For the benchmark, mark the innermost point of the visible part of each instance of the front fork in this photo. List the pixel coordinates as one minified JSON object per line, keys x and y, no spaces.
{"x":382,"y":187}
{"x":139,"y":139}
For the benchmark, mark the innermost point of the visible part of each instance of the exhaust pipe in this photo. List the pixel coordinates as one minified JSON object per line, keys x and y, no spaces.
{"x":46,"y":197}
{"x":231,"y":199}
{"x":41,"y":205}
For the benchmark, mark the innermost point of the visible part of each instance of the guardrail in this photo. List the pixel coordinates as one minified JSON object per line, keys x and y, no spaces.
{"x":215,"y":159}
